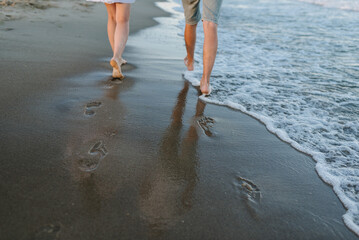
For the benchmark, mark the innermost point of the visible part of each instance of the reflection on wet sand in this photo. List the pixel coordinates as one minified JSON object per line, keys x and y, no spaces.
{"x":167,"y":193}
{"x":113,"y":88}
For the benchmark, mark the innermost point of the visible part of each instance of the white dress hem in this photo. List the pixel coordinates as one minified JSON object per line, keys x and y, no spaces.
{"x":112,"y":1}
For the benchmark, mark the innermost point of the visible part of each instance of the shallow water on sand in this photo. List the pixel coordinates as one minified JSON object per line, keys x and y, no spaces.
{"x":294,"y":65}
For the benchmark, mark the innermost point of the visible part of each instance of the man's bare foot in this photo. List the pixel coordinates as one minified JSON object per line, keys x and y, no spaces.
{"x":189,"y":64}
{"x":205,"y":87}
{"x":117,"y":74}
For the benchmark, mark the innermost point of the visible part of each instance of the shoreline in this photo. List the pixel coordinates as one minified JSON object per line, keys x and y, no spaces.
{"x":337,"y":179}
{"x":168,"y":166}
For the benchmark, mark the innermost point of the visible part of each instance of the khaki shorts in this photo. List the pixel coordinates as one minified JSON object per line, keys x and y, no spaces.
{"x":210,"y":10}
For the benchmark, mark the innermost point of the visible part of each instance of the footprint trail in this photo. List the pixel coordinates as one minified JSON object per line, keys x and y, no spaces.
{"x":89,"y":108}
{"x":91,"y":162}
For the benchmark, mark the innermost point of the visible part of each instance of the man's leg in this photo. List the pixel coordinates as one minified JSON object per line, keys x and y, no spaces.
{"x":211,"y":9}
{"x":209,"y":53}
{"x":190,"y":40}
{"x":192,"y":16}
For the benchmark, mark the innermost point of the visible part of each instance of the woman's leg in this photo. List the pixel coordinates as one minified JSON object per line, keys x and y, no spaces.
{"x":111,"y":23}
{"x":121,"y":30}
{"x":118,"y":30}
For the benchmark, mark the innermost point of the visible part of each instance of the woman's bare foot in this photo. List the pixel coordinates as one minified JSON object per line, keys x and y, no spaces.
{"x":117,"y":74}
{"x":189,"y":64}
{"x":116,"y":64}
{"x":123,"y":61}
{"x":205,"y":87}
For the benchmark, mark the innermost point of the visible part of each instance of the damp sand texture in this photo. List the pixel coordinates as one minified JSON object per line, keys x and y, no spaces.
{"x":84,"y":157}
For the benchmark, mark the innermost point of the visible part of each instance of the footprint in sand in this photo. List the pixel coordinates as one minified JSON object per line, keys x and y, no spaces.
{"x":48,"y":232}
{"x":99,"y":147}
{"x":90,"y":106}
{"x":91,"y":162}
{"x":206,"y":123}
{"x":248,"y":190}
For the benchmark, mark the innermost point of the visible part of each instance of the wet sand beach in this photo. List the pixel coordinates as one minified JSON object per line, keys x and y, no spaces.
{"x":85,"y":157}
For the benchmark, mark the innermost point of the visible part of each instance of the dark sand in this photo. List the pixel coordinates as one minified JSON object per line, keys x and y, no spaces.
{"x":165,"y":165}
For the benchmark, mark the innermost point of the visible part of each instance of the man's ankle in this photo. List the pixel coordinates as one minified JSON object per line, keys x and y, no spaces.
{"x":189,"y":59}
{"x":204,"y":80}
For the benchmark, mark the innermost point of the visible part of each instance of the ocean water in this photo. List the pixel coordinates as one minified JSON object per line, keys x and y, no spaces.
{"x":294,"y":65}
{"x":352,"y":5}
